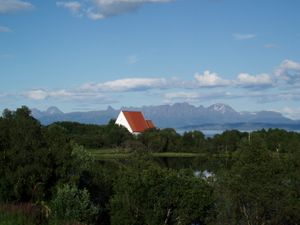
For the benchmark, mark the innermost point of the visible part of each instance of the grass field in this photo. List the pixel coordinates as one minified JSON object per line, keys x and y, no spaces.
{"x":105,"y":154}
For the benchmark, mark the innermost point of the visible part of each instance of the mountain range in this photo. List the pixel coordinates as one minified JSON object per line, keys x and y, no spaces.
{"x":180,"y":116}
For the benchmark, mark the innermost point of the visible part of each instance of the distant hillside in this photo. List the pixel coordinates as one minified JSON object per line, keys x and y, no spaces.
{"x":179,"y":115}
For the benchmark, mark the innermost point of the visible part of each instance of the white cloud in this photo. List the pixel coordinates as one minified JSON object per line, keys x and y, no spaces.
{"x":260,"y":96}
{"x":289,"y":71}
{"x":290,"y":65}
{"x":41,"y":94}
{"x":182,"y":95}
{"x":284,"y":96}
{"x":4,"y":29}
{"x":250,"y":81}
{"x":94,"y":15}
{"x":292,"y":113}
{"x":185,"y":90}
{"x":73,"y":6}
{"x":123,"y":85}
{"x":38,"y":94}
{"x":74,"y":96}
{"x":60,"y":94}
{"x":99,"y":90}
{"x":209,"y":79}
{"x":195,"y":97}
{"x":14,"y":5}
{"x":241,"y":37}
{"x":100,"y":9}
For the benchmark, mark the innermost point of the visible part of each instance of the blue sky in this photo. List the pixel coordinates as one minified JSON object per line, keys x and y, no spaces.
{"x":88,"y":54}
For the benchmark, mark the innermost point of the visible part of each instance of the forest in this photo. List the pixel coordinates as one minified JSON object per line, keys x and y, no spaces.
{"x":48,"y":176}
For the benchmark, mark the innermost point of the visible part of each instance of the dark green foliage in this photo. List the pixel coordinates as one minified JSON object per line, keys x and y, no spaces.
{"x":161,"y":140}
{"x":33,"y":158}
{"x":71,"y":205}
{"x":167,"y":140}
{"x":256,"y":176}
{"x":98,"y":181}
{"x":114,"y":135}
{"x":88,"y":135}
{"x":148,"y":194}
{"x":96,"y":136}
{"x":278,"y":140}
{"x":228,"y":141}
{"x":152,"y":140}
{"x":260,"y":188}
{"x":22,"y":151}
{"x":193,"y":141}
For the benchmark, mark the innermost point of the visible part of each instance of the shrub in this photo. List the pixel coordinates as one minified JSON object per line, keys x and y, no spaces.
{"x":71,"y":205}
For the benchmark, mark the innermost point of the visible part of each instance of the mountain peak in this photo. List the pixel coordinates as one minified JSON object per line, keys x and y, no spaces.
{"x":53,"y":110}
{"x":182,"y":104}
{"x":222,"y":108}
{"x":109,"y":108}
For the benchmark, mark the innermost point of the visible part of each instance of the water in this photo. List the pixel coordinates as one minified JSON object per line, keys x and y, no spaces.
{"x":212,"y":133}
{"x":207,"y":133}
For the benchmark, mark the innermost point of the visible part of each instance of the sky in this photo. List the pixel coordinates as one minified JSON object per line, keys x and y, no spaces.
{"x":82,"y":55}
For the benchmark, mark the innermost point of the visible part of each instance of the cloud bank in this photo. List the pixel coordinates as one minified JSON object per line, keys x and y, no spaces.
{"x":125,"y":85}
{"x":289,"y":71}
{"x":254,"y":81}
{"x":263,"y":88}
{"x":101,"y":9}
{"x":7,"y":6}
{"x":208,"y":79}
{"x":73,"y":7}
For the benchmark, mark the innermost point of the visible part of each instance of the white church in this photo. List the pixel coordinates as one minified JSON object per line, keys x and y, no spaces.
{"x":134,"y":121}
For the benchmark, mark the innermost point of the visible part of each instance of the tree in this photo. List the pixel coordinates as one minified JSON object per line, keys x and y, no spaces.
{"x":152,"y":139}
{"x":22,"y":150}
{"x":34,"y":159}
{"x":228,"y":141}
{"x":193,"y":140}
{"x":173,"y":141}
{"x":260,"y":188}
{"x":161,"y":140}
{"x":115,"y":135}
{"x":148,"y":194}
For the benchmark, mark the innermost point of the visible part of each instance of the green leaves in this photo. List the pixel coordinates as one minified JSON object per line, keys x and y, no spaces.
{"x":258,"y":187}
{"x":160,"y":196}
{"x":71,"y":205}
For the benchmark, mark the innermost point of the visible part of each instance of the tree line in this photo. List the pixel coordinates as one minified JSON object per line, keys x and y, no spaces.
{"x":168,"y":140}
{"x":48,"y":170}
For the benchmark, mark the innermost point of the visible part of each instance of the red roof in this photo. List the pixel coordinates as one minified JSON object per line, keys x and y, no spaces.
{"x":150,"y":124}
{"x":137,"y":121}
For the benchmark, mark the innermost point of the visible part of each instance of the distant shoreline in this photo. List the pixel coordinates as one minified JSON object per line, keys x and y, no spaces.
{"x":213,"y":132}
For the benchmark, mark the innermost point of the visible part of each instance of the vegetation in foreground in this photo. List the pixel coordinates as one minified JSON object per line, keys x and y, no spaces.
{"x":48,"y":177}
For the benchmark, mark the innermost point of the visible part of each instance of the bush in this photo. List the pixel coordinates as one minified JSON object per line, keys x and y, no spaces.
{"x":20,"y":214}
{"x":71,"y":205}
{"x":14,"y":219}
